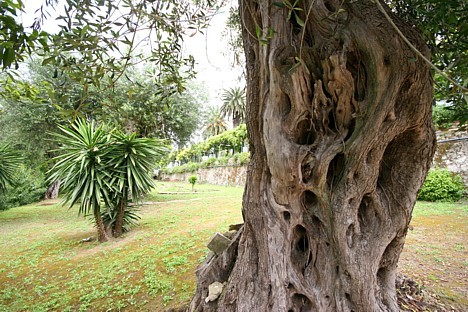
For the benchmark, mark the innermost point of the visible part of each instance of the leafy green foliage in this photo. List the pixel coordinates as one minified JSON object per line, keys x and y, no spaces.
{"x":151,"y":110}
{"x":188,"y":167}
{"x":29,"y":188}
{"x":293,"y":10}
{"x":26,"y":119}
{"x":34,"y":106}
{"x":192,"y":180}
{"x":442,"y":185}
{"x":242,"y":158}
{"x":233,"y":139}
{"x":9,"y":162}
{"x":16,"y":42}
{"x":239,"y":159}
{"x":443,"y":117}
{"x":444,"y":27}
{"x":99,"y":39}
{"x":209,"y":162}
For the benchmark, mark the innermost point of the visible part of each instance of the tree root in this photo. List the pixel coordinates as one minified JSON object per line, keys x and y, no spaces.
{"x":411,"y":298}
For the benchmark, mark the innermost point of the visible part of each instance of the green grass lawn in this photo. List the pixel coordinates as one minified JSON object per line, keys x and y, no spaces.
{"x":44,"y":265}
{"x":436,"y":251}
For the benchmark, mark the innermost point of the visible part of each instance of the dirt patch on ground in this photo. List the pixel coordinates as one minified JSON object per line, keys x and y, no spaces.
{"x":436,"y":257}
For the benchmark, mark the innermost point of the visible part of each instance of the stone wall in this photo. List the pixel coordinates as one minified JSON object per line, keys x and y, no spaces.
{"x":220,"y":175}
{"x":452,"y":155}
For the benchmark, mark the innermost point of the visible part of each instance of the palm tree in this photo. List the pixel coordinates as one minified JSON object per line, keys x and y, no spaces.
{"x":234,"y":105}
{"x":215,"y":123}
{"x":9,"y":162}
{"x":82,"y":168}
{"x":132,"y":158}
{"x":103,"y":167}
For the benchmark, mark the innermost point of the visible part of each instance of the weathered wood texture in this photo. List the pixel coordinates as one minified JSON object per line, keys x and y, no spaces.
{"x":341,"y":144}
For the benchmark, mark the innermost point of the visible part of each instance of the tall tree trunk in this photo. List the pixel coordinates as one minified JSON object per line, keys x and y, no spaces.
{"x":119,"y":220}
{"x":53,"y":190}
{"x":236,"y":119}
{"x":339,"y":120}
{"x":102,"y":234}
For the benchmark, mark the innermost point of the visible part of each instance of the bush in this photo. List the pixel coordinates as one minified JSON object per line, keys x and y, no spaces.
{"x":223,"y":161}
{"x":442,"y":185}
{"x":29,"y":188}
{"x":443,"y":117}
{"x":209,"y":162}
{"x":189,"y":167}
{"x":244,"y":158}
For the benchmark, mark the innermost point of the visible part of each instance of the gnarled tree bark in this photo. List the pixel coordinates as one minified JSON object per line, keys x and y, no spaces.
{"x":339,"y":120}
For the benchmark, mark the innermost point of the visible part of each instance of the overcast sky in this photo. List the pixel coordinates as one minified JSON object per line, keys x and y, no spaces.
{"x":214,"y":65}
{"x":209,"y":50}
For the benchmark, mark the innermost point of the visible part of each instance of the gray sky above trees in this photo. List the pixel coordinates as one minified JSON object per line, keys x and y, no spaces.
{"x":210,"y":50}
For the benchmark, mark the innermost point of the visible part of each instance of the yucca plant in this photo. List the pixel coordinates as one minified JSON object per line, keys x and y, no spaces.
{"x":133,"y":160}
{"x":130,"y":219}
{"x":98,"y":167}
{"x":9,"y":161}
{"x":84,"y":169}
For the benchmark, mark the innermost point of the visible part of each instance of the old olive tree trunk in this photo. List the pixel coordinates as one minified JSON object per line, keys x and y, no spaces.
{"x":339,"y":118}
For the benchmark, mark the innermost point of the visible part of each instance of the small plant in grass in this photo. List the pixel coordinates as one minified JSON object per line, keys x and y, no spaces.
{"x":192,"y":180}
{"x":442,"y":185}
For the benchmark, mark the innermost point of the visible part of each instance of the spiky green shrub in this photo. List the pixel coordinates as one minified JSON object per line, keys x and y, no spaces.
{"x":10,"y":161}
{"x":132,"y":159}
{"x":101,"y":167}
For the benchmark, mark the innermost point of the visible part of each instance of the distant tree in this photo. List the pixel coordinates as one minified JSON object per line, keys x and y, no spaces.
{"x":445,"y":30}
{"x":234,"y":105}
{"x":27,"y":117}
{"x":151,"y":110}
{"x":214,"y":123}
